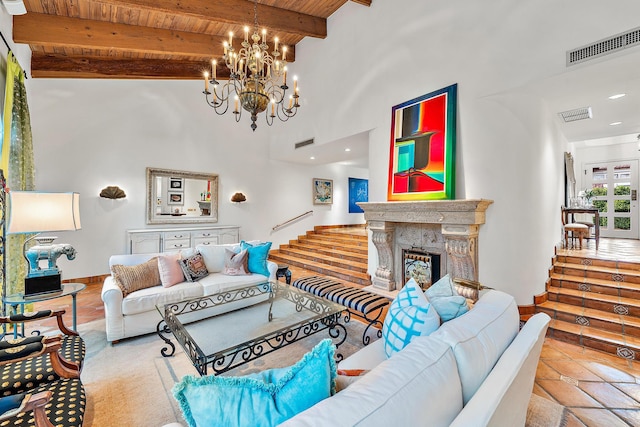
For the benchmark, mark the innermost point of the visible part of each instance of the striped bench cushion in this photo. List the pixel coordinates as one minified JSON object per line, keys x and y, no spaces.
{"x":352,"y":298}
{"x":316,"y":285}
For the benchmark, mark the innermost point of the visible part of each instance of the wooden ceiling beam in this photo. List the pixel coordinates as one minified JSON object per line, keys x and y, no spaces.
{"x":363,"y":2}
{"x":239,"y":12}
{"x":62,"y":66}
{"x":62,"y":32}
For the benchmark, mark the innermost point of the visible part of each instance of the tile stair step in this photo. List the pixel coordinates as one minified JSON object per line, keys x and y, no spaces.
{"x":623,"y":289}
{"x":621,"y":345}
{"x":604,"y":302}
{"x":601,"y":269}
{"x":603,"y":273}
{"x":327,"y":244}
{"x":333,"y":257}
{"x":355,"y":277}
{"x":623,"y":265}
{"x":335,"y":239}
{"x":611,"y":322}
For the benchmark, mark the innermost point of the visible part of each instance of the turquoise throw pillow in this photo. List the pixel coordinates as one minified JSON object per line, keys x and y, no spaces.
{"x":446,"y":300}
{"x":410,"y":315}
{"x":442,"y":288}
{"x":258,"y":254}
{"x":265,"y":399}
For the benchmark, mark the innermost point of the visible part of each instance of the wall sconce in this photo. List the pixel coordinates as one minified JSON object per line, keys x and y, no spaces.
{"x":113,"y":192}
{"x":238,"y":198}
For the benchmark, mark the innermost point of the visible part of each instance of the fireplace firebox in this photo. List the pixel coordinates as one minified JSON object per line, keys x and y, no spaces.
{"x":422,"y":266}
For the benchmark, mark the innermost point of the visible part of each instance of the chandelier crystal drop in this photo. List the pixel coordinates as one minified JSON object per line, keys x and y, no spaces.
{"x":257,"y":79}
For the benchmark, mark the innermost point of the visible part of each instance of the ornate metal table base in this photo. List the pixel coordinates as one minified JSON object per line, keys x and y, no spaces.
{"x":325,"y":317}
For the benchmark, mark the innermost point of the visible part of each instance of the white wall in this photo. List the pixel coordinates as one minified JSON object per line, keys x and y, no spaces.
{"x":584,"y":154}
{"x":509,"y":148}
{"x":89,"y":134}
{"x":92,"y":133}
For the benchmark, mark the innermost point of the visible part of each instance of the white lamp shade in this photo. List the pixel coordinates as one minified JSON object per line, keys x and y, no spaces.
{"x":37,"y":212}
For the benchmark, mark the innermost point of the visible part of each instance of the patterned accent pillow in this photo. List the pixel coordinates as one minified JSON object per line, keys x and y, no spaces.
{"x":131,"y":278}
{"x":410,"y":315}
{"x":235,"y":264}
{"x":193,"y":267}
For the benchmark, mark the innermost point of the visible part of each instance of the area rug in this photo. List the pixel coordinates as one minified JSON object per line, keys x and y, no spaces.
{"x":545,"y":413}
{"x":129,"y":383}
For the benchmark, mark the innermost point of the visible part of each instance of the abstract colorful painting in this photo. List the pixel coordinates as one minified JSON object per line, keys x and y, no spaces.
{"x":358,"y":192}
{"x":422,"y":152}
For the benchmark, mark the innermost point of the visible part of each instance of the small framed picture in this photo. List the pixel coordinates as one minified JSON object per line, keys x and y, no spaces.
{"x":175,"y":198}
{"x":322,"y":191}
{"x":176,"y":184}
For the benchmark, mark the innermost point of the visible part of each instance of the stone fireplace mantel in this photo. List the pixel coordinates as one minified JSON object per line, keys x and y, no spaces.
{"x":446,"y":227}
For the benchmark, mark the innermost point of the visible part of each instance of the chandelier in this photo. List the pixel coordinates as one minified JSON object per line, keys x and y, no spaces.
{"x":257,"y":79}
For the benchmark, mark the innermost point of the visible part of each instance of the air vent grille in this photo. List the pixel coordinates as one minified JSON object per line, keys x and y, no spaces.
{"x":304,"y":143}
{"x":604,"y":47}
{"x":577,"y":114}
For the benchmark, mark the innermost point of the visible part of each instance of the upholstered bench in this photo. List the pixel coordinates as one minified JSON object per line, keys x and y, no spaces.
{"x":366,"y":304}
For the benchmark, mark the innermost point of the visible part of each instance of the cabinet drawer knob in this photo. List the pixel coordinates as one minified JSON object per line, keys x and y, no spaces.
{"x":205,"y":243}
{"x":177,"y":246}
{"x":206,"y":234}
{"x":178,"y":236}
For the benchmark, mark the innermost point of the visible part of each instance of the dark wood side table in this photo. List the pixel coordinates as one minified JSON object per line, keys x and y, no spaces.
{"x":283,"y":271}
{"x":593,"y":211}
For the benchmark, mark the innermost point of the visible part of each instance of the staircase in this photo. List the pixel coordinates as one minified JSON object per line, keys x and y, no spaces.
{"x":595,"y":303}
{"x":335,"y":251}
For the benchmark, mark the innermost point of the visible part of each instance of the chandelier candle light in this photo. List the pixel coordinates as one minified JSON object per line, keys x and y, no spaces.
{"x":257,"y":78}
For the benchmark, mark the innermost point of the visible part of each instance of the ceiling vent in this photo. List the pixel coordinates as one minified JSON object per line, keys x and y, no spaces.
{"x":304,"y":143}
{"x":604,"y":47}
{"x":577,"y":114}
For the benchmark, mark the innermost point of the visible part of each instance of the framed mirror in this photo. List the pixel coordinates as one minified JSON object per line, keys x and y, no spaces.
{"x":178,"y":197}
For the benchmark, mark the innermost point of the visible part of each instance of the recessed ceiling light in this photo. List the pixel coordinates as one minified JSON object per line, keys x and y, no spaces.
{"x":347,"y":149}
{"x":615,"y":123}
{"x":312,"y":158}
{"x":617,"y":95}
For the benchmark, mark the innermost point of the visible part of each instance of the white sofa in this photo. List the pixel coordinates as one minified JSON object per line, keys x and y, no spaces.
{"x":475,"y":370}
{"x":136,"y":314}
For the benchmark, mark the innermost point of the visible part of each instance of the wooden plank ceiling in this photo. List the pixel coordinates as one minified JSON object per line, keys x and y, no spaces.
{"x":156,"y":39}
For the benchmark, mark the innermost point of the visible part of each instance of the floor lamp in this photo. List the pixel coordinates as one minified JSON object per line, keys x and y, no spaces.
{"x":39,"y":212}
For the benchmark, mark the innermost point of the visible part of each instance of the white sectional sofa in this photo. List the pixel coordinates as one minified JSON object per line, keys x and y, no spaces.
{"x":136,"y":314}
{"x":475,"y":370}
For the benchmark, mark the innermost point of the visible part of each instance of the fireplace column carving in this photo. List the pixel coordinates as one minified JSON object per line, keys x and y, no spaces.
{"x":383,"y":239}
{"x":461,"y":243}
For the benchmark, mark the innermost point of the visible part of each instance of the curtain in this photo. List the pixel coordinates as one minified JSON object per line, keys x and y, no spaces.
{"x":570,"y":190}
{"x":16,"y":162}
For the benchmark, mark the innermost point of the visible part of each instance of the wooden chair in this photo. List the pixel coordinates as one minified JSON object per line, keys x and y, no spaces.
{"x":577,"y":230}
{"x":26,"y":363}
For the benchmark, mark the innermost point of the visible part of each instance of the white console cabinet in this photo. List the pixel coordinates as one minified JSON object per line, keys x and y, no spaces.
{"x":174,"y":239}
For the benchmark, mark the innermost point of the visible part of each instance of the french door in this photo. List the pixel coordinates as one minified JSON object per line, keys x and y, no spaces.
{"x":614,"y":186}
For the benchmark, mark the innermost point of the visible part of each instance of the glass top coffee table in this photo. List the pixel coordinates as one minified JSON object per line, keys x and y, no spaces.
{"x":224,"y":341}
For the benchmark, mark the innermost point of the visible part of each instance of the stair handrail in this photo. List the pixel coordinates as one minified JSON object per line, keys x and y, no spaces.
{"x":279,"y":226}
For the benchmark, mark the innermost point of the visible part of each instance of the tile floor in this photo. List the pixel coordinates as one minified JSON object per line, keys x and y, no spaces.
{"x":597,"y":388}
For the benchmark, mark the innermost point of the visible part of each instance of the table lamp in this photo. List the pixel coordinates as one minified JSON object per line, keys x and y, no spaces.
{"x":39,"y":212}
